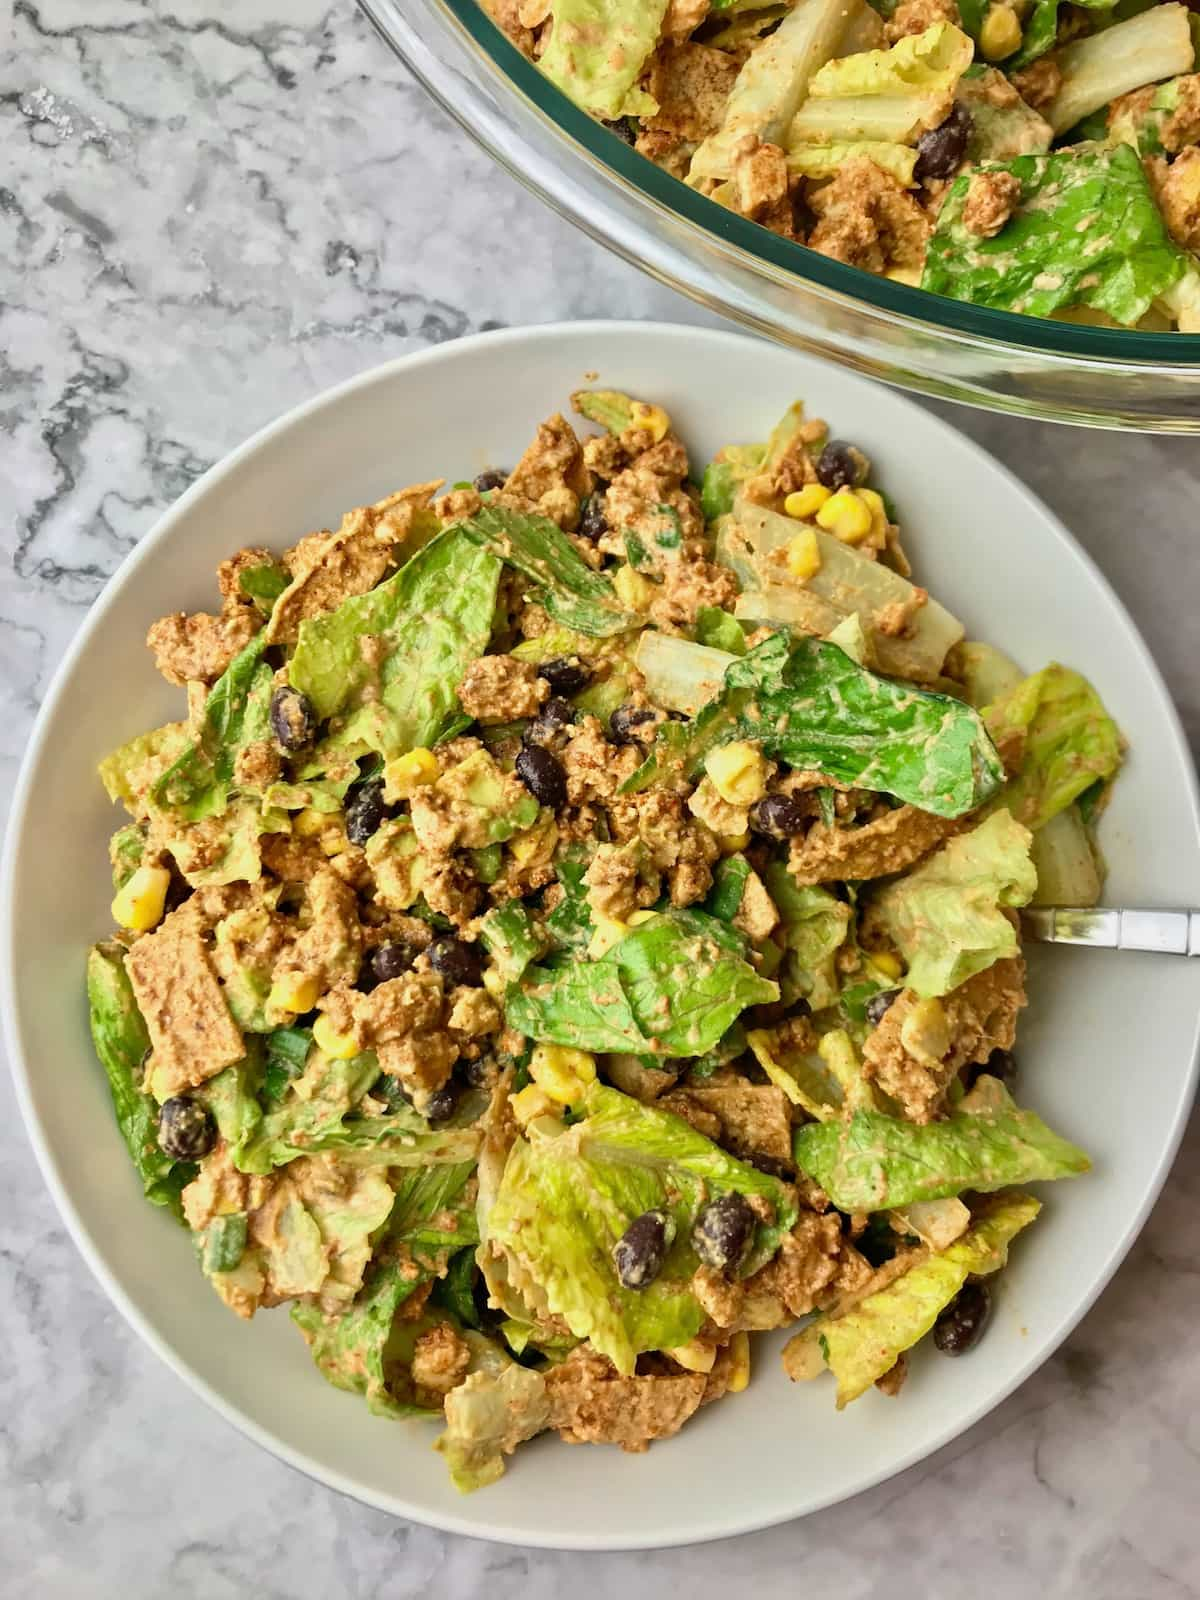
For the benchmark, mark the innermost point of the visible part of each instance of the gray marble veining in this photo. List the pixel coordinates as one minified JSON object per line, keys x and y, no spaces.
{"x":210,"y":209}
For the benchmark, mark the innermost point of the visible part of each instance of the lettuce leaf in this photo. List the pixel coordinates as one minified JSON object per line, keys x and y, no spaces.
{"x":873,"y":1162}
{"x":1070,"y":742}
{"x":126,"y":772}
{"x":807,"y":703}
{"x":867,"y":1341}
{"x":487,"y":1417}
{"x":1086,"y":231}
{"x":598,"y":48}
{"x":1040,"y":30}
{"x":430,"y":621}
{"x":432,"y":1215}
{"x":237,"y":713}
{"x":946,"y":915}
{"x":884,"y":97}
{"x":1102,"y":66}
{"x":671,"y":987}
{"x":122,"y":1045}
{"x":564,"y":1201}
{"x":571,"y":592}
{"x":815,"y":926}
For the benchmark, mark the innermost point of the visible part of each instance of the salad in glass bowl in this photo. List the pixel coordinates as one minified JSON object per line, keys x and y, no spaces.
{"x":572,"y":928}
{"x":1033,"y":156}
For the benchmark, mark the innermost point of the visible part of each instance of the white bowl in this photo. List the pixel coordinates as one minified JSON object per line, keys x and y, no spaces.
{"x":1108,"y":1044}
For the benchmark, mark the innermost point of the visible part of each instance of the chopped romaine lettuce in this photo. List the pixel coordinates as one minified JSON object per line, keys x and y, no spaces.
{"x":429,"y":622}
{"x":572,"y":593}
{"x":1069,"y":872}
{"x":1040,"y":30}
{"x":1001,"y":128}
{"x":847,"y":583}
{"x":609,"y":408}
{"x":487,"y":1417}
{"x":884,"y":96}
{"x":264,"y":584}
{"x":773,"y":81}
{"x":512,"y":938}
{"x":946,"y":916}
{"x":565,"y":1200}
{"x":868,"y":1340}
{"x":123,"y":1044}
{"x":815,"y":926}
{"x":824,"y":160}
{"x":1069,"y":742}
{"x":720,"y":630}
{"x":351,"y":1349}
{"x":1085,"y":231}
{"x":810,"y":705}
{"x":597,"y":49}
{"x":1101,"y":67}
{"x":874,"y":1162}
{"x":236,"y":713}
{"x":724,"y":476}
{"x":671,"y":987}
{"x":134,"y":766}
{"x":1147,"y":120}
{"x":682,"y":675}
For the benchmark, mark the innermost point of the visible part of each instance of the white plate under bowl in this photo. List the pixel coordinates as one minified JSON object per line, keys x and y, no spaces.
{"x":1107,"y":1049}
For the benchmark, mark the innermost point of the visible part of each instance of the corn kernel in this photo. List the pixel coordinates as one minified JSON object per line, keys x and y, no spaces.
{"x":337,"y":1046}
{"x":139,"y":905}
{"x":309,"y":823}
{"x":738,"y":772}
{"x":531,"y":1102}
{"x":653,"y":419}
{"x":495,"y":982}
{"x":633,"y":591}
{"x":845,"y":516}
{"x":1000,"y":34}
{"x":413,"y":770}
{"x":294,"y":991}
{"x":888,"y":962}
{"x":739,"y":1371}
{"x":608,"y":933}
{"x":803,"y":554}
{"x":333,"y":842}
{"x":925,"y":1031}
{"x":731,"y":843}
{"x":694,"y":1356}
{"x":561,"y":1073}
{"x":806,"y":502}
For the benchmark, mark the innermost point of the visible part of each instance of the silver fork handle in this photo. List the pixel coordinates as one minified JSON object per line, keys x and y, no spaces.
{"x":1165,"y":932}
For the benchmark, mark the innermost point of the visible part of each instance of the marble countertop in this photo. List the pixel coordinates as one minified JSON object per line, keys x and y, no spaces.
{"x":209,"y":210}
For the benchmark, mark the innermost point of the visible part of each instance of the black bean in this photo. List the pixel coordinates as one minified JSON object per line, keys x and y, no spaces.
{"x":722,"y":1232}
{"x":550,"y":725}
{"x":457,"y":960}
{"x":941,"y":150}
{"x":880,"y":1004}
{"x":641,"y":1250}
{"x":185,"y":1129}
{"x":771,"y":1165}
{"x":625,"y":718}
{"x":779,"y":816}
{"x":565,"y":674}
{"x":593,"y":524}
{"x":391,"y":960}
{"x":960,"y":1326}
{"x":841,"y":466}
{"x":293,"y":718}
{"x":623,"y":128}
{"x":1000,"y":1064}
{"x":493,"y":478}
{"x":442,"y":1103}
{"x":365,"y":810}
{"x":543,"y":775}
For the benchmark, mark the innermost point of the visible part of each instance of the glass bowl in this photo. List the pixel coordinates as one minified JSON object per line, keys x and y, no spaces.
{"x":1106,"y":377}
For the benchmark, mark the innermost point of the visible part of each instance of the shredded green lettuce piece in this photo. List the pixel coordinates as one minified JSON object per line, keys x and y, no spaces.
{"x":671,"y":987}
{"x":1070,"y":742}
{"x":867,"y":1341}
{"x":597,"y":49}
{"x":429,"y":621}
{"x":199,"y":781}
{"x":946,"y":916}
{"x":873,"y":1162}
{"x":807,"y":703}
{"x":573,"y":594}
{"x":122,"y":1045}
{"x":565,"y":1200}
{"x":1085,"y":231}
